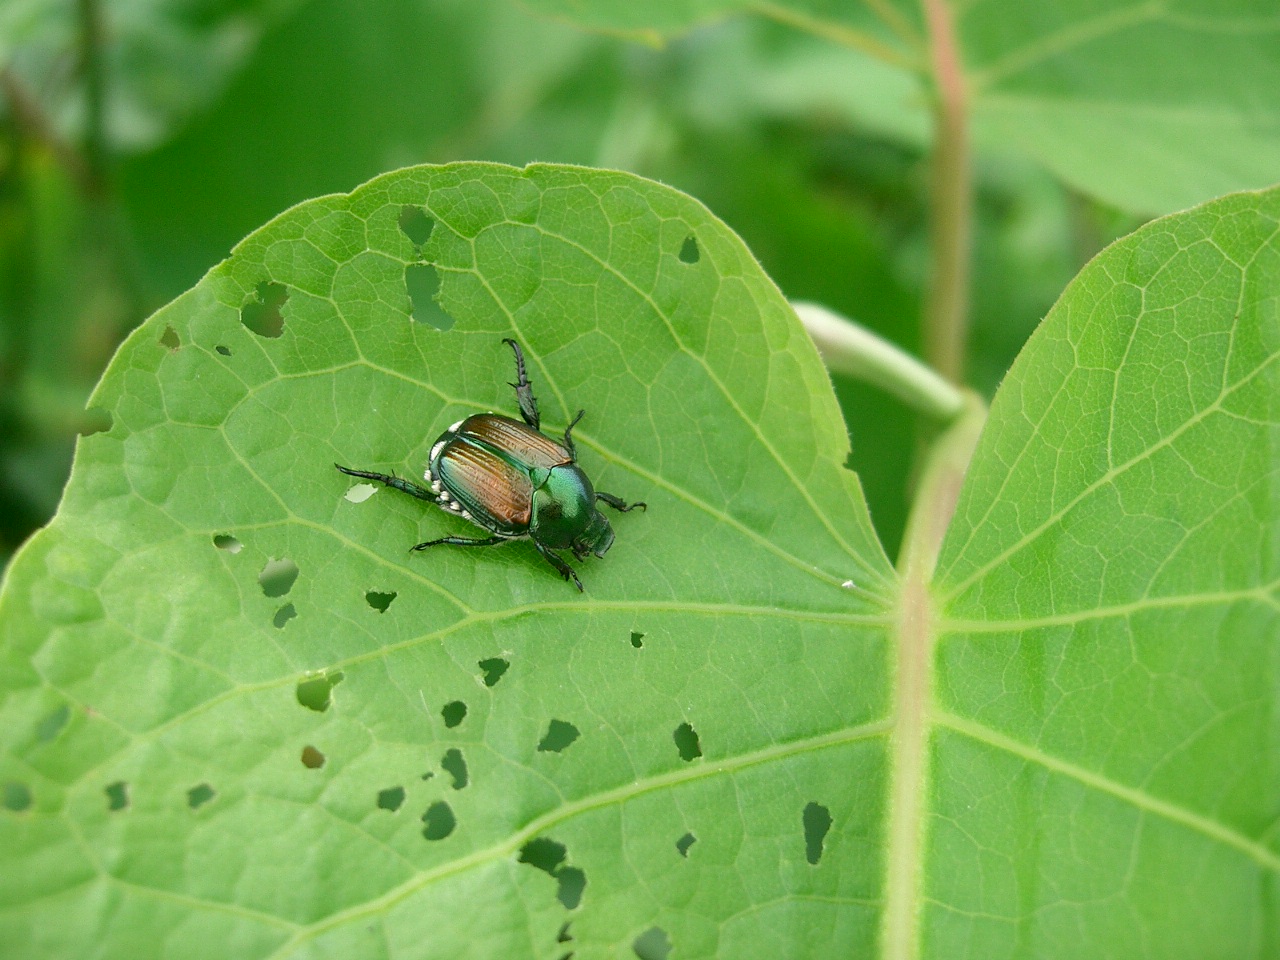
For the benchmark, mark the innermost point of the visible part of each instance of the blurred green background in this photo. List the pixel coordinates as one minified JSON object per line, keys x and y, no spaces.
{"x":141,"y":139}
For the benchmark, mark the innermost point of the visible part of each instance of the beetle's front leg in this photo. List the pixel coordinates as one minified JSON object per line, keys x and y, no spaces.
{"x":392,"y":481}
{"x":568,"y":439}
{"x":565,"y":570}
{"x":619,"y":504}
{"x":524,"y":391}
{"x":461,"y":542}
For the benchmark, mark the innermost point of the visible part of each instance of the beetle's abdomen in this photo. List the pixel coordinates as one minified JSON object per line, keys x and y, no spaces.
{"x":517,"y":440}
{"x":489,"y":490}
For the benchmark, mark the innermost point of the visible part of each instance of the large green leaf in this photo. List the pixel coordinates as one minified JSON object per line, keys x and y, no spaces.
{"x":200,"y":761}
{"x":1106,"y":753}
{"x":1150,"y":106}
{"x":724,"y":676}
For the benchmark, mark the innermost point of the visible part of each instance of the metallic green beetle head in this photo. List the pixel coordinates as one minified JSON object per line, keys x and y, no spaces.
{"x":565,"y":515}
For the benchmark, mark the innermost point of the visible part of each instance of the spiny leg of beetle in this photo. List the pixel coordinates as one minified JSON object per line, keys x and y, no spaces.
{"x":564,"y":569}
{"x":568,"y":440}
{"x":524,"y":391}
{"x":406,"y":486}
{"x":461,"y":542}
{"x":619,"y":504}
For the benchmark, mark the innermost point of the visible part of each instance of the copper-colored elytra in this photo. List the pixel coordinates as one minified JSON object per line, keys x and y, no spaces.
{"x":499,"y":489}
{"x":524,"y":444}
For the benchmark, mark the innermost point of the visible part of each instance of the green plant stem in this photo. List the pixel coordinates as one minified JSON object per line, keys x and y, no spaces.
{"x":91,"y":67}
{"x":849,"y":348}
{"x":951,"y":202}
{"x":931,"y":515}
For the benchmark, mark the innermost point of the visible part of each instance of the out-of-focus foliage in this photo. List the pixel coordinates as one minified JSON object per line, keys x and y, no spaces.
{"x":813,"y":153}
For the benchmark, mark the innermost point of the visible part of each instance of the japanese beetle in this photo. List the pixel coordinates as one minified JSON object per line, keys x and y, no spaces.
{"x":511,"y":479}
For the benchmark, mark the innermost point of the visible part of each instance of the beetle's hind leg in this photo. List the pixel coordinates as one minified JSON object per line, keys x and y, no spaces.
{"x":406,"y":486}
{"x":619,"y":504}
{"x":568,"y":439}
{"x":461,"y":542}
{"x":563,"y":568}
{"x":524,"y":391}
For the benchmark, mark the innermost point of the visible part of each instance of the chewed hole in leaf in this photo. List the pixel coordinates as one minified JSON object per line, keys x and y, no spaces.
{"x":95,"y":420}
{"x":817,"y":821}
{"x":572,"y":881}
{"x":391,"y":798}
{"x":49,"y":728}
{"x":199,"y":795}
{"x":453,"y":713}
{"x":454,"y":764}
{"x":316,"y":693}
{"x":262,"y":313}
{"x":277,"y":577}
{"x":684,"y":843}
{"x":653,"y":944}
{"x":687,"y":743}
{"x":17,"y":797}
{"x":284,"y":615}
{"x":225,"y":351}
{"x":117,"y":795}
{"x":312,"y":758}
{"x":439,"y":821}
{"x":689,"y":252}
{"x":423,"y":285}
{"x":637,"y":639}
{"x":224,"y":541}
{"x":416,"y":225}
{"x":379,"y":601}
{"x":564,"y":936}
{"x":543,"y":853}
{"x":360,"y":492}
{"x":169,"y":339}
{"x":560,"y":733}
{"x":492,"y":670}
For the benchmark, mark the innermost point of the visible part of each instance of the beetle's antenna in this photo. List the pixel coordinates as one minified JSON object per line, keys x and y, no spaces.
{"x":524,"y":391}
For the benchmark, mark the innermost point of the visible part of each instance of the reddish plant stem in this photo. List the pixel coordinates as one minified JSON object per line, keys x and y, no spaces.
{"x":951,"y":201}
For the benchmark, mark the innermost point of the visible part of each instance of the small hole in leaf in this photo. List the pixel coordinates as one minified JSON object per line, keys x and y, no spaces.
{"x":817,"y":821}
{"x":312,"y":758}
{"x":224,"y":541}
{"x":360,"y":492}
{"x":423,"y":284}
{"x":493,"y":670}
{"x":315,"y":693}
{"x":169,"y":339}
{"x":225,"y":351}
{"x":652,"y":944}
{"x":572,"y":882}
{"x":689,"y":252}
{"x":428,"y":775}
{"x":455,"y":765}
{"x":94,"y":420}
{"x":262,"y":314}
{"x":637,"y":639}
{"x":564,"y":936}
{"x":199,"y":795}
{"x":560,"y":733}
{"x":544,"y":854}
{"x":439,"y":820}
{"x":391,"y":798}
{"x":284,"y":615}
{"x":684,"y":843}
{"x":52,"y":725}
{"x":17,"y":797}
{"x":453,"y":713}
{"x":686,"y":739}
{"x":117,"y":795}
{"x":379,"y":601}
{"x":277,"y":577}
{"x":416,"y":225}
